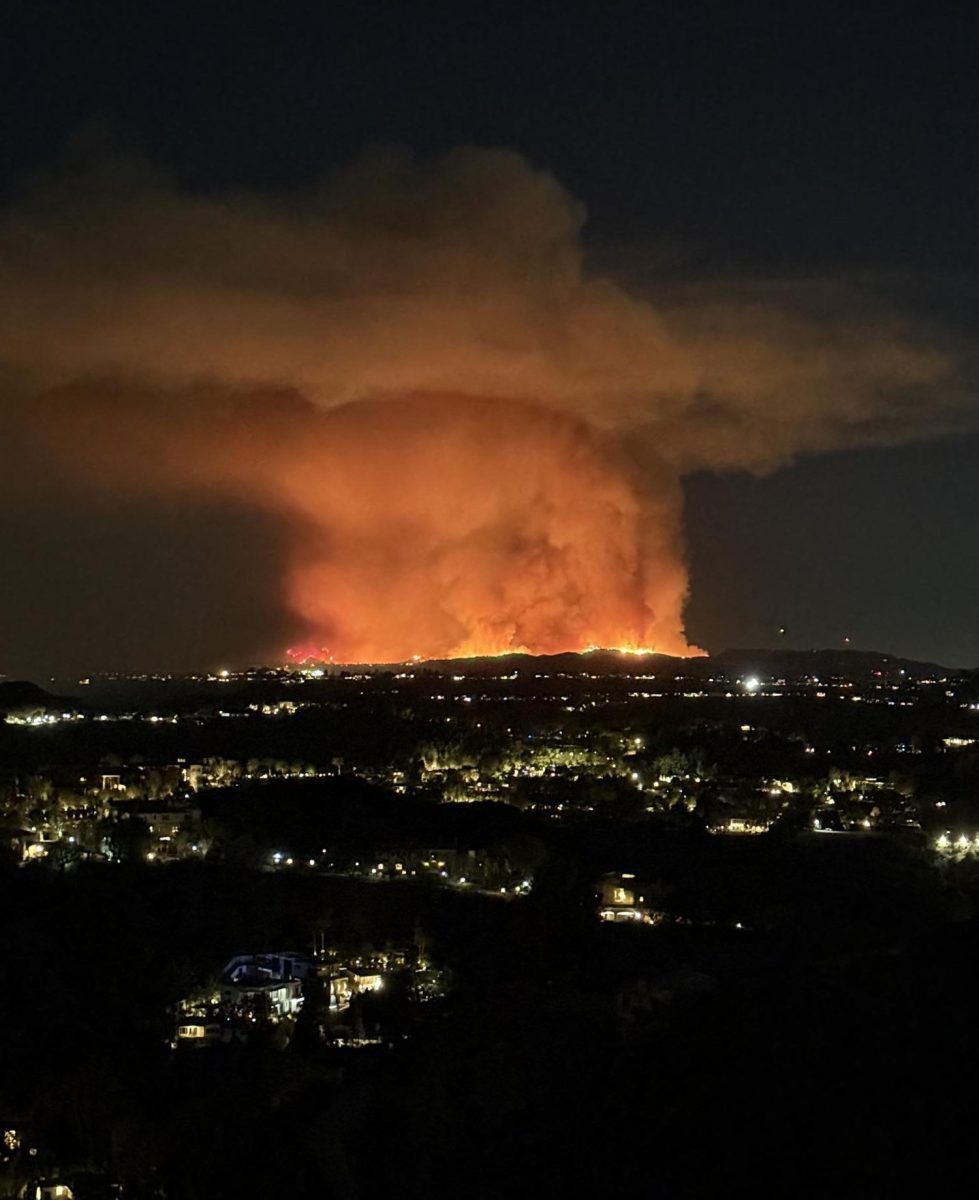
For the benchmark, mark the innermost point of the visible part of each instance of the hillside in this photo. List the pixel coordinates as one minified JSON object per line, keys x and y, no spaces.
{"x":19,"y":694}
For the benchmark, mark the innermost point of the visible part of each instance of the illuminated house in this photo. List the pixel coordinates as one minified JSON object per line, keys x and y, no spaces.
{"x":277,"y":964}
{"x":194,"y":1032}
{"x":340,"y":990}
{"x":164,"y":820}
{"x":743,"y":825}
{"x":366,"y":979}
{"x":34,"y":844}
{"x":343,"y":983}
{"x":272,"y":982}
{"x":281,"y":997}
{"x":620,"y":900}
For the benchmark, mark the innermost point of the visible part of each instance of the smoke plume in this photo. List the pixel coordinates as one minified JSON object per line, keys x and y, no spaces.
{"x":477,"y":443}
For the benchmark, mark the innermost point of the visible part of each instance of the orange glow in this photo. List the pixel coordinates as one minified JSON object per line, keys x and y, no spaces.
{"x":639,"y":650}
{"x":308,"y":652}
{"x":472,"y":443}
{"x":448,"y":527}
{"x":429,"y":526}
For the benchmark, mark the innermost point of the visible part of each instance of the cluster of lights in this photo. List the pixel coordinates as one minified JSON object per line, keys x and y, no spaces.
{"x":46,"y":718}
{"x":963,"y":842}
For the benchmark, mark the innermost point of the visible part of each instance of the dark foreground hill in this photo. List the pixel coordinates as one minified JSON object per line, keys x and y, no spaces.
{"x":17,"y":695}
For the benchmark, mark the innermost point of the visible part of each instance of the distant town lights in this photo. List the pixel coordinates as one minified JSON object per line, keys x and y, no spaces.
{"x":751,"y":684}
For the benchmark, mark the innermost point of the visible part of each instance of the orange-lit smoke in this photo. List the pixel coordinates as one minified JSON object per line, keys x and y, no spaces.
{"x":433,"y":526}
{"x":453,"y":526}
{"x":477,"y":445}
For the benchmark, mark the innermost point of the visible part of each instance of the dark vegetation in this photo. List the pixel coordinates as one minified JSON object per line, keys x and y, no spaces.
{"x":679,"y":1058}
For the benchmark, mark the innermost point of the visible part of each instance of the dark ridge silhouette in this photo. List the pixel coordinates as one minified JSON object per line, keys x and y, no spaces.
{"x":19,"y":694}
{"x":854,"y":664}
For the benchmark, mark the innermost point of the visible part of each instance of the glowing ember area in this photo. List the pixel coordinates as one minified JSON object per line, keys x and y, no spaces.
{"x":309,"y":654}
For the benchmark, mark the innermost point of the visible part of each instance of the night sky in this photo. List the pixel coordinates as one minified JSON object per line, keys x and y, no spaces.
{"x":780,"y":143}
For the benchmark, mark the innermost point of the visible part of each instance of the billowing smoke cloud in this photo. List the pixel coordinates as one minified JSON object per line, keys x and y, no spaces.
{"x":478,"y":444}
